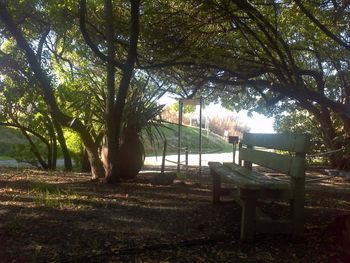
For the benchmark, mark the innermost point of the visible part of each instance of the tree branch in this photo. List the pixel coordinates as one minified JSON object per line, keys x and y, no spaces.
{"x":41,"y":44}
{"x":88,"y":40}
{"x":322,"y":27}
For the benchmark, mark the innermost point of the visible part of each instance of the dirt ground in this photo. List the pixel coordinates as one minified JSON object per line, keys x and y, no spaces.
{"x":64,"y":217}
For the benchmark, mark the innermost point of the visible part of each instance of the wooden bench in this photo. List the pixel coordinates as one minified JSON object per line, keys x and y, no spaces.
{"x":252,"y":186}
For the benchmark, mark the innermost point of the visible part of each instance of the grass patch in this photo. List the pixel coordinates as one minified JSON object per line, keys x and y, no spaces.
{"x":181,"y":176}
{"x":5,"y":158}
{"x":48,"y":195}
{"x":43,"y":187}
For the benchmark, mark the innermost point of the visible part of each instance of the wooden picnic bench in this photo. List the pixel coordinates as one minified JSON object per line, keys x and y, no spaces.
{"x":253,"y":186}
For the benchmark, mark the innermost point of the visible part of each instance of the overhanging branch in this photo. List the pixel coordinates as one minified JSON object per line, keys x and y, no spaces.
{"x":321,"y":26}
{"x":88,"y":40}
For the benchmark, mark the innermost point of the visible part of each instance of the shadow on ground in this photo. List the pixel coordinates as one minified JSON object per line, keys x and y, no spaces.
{"x":66,"y":218}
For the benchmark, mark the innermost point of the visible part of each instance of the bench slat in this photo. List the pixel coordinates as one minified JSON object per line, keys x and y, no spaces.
{"x":293,"y":166}
{"x":230,"y":176}
{"x":286,"y":142}
{"x":262,"y":179}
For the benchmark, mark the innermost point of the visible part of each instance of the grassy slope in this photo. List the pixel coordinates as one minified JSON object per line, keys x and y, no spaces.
{"x":9,"y":137}
{"x":190,"y":138}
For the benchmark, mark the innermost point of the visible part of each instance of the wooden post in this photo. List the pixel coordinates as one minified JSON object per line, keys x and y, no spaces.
{"x":234,"y":141}
{"x":163,"y":159}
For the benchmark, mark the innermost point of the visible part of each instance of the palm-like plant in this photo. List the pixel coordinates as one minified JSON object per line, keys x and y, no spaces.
{"x":140,"y":121}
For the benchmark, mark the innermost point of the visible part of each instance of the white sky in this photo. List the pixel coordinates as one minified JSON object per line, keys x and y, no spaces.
{"x":258,"y":123}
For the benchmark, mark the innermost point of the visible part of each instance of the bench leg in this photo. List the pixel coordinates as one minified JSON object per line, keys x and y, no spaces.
{"x":248,"y":219}
{"x":216,"y":187}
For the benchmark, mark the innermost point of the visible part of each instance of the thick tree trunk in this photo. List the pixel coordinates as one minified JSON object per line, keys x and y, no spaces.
{"x":127,"y":73}
{"x":329,"y":135}
{"x":114,"y":104}
{"x":131,"y":160}
{"x":85,"y":165}
{"x":118,"y":117}
{"x":327,"y":131}
{"x":95,"y":162}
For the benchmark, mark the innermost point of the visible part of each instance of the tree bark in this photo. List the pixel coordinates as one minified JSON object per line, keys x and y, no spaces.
{"x":66,"y":155}
{"x":114,"y":104}
{"x":112,"y":144}
{"x":85,"y":165}
{"x":124,"y":83}
{"x":52,"y":154}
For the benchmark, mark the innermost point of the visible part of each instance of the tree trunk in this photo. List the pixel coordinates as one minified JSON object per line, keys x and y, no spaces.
{"x":132,"y":156}
{"x":35,"y":150}
{"x":66,"y":155}
{"x":52,"y":154}
{"x":85,"y":165}
{"x":95,"y":162}
{"x":111,"y":122}
{"x":115,"y":107}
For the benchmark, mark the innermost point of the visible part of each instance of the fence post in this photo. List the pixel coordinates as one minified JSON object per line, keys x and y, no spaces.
{"x":234,"y":141}
{"x":163,"y":159}
{"x":186,"y":157}
{"x":179,"y":136}
{"x":234,"y":153}
{"x":200,"y":135}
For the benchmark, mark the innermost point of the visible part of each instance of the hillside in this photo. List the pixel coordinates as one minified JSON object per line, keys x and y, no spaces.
{"x":190,"y":138}
{"x":9,"y":137}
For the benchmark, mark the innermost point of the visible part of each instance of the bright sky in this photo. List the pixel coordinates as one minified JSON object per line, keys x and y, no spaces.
{"x":257,"y":122}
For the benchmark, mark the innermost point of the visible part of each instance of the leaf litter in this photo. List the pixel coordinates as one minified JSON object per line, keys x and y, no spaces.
{"x":64,"y":217}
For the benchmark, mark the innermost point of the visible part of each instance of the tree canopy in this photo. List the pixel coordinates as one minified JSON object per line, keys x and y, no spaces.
{"x":77,"y":65}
